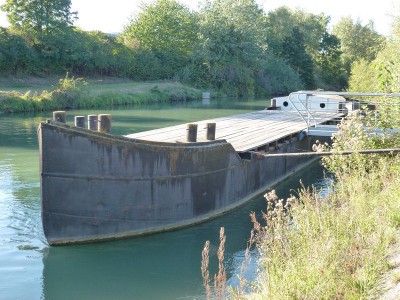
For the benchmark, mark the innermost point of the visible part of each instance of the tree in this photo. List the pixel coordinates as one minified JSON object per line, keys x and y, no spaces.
{"x":303,"y":40}
{"x":46,"y":25}
{"x":363,"y":77}
{"x":294,"y":50}
{"x":15,"y":54}
{"x":329,"y":67}
{"x":39,"y":17}
{"x":168,"y":29}
{"x":382,"y":73}
{"x":357,"y":41}
{"x":231,"y":43}
{"x":281,"y":22}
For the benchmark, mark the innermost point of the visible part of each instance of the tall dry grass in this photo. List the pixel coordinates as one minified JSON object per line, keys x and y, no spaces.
{"x":219,"y":290}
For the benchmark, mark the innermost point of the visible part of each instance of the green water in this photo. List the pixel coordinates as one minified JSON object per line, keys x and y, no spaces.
{"x":161,"y":266}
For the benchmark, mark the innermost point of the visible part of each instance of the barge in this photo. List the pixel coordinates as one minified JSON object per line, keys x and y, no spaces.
{"x":98,"y":186}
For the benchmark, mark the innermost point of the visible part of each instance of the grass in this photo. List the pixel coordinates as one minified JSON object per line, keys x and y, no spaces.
{"x":336,"y":247}
{"x":95,"y":85}
{"x":37,"y":94}
{"x":332,"y":248}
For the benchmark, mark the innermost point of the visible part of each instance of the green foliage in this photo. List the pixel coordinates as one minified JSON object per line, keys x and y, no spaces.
{"x":14,"y":102}
{"x":328,"y":65}
{"x":38,"y":18}
{"x":168,"y":29}
{"x":363,"y":77}
{"x":382,"y":73}
{"x":231,"y":44}
{"x":302,"y":39}
{"x":357,"y":41}
{"x":69,"y":92}
{"x":294,"y":50}
{"x":76,"y":93}
{"x":276,"y":77}
{"x":335,"y":247}
{"x":15,"y":55}
{"x":96,"y":53}
{"x":329,"y":248}
{"x":283,"y":20}
{"x":358,"y":132}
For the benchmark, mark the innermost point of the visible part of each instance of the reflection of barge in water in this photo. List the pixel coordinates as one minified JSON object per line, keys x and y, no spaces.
{"x":97,"y":186}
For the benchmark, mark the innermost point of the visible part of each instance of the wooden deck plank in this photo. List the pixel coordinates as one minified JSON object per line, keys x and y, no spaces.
{"x":244,"y":131}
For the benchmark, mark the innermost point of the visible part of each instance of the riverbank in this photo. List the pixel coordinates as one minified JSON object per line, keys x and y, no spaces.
{"x":339,"y":246}
{"x":43,"y":94}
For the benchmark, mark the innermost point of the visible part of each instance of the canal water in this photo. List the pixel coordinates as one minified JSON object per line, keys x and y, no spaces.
{"x":161,"y":266}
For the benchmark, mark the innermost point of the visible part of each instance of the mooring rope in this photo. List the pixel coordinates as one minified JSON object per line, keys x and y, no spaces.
{"x":392,"y":150}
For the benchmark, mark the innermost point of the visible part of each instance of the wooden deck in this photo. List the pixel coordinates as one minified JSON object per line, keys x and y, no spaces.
{"x":245,"y":131}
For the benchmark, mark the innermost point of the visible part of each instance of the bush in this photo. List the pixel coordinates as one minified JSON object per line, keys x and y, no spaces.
{"x":334,"y":247}
{"x":69,"y":92}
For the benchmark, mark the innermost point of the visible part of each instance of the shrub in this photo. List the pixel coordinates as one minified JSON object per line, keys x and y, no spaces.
{"x":69,"y":92}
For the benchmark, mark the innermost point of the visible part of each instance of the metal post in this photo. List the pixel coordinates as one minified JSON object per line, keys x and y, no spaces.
{"x":191,"y":136}
{"x":59,"y":116}
{"x":104,"y":123}
{"x":80,"y":121}
{"x":210,"y":131}
{"x":92,"y":122}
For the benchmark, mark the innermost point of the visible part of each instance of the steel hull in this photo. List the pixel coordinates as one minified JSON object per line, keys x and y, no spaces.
{"x":98,"y":186}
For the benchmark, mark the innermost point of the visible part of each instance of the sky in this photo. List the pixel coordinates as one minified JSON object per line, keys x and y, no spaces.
{"x":112,"y":16}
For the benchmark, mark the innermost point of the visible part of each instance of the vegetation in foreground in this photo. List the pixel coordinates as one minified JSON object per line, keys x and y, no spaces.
{"x":76,"y":93}
{"x":333,"y":247}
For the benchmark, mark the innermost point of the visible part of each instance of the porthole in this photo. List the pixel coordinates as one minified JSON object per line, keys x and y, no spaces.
{"x":285,"y":103}
{"x":322,"y":105}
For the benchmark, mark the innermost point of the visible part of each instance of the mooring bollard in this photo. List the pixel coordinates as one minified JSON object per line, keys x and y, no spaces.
{"x":104,"y":123}
{"x":80,"y":121}
{"x":59,"y":116}
{"x":273,"y":102}
{"x":210,"y":135}
{"x":93,"y":122}
{"x":191,"y":136}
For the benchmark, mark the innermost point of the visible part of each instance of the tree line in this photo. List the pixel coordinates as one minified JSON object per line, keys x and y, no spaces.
{"x":229,"y":45}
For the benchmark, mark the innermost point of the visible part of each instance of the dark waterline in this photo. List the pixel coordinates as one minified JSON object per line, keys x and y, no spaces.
{"x":161,"y":266}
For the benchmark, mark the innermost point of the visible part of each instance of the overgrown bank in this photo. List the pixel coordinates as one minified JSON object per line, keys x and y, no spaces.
{"x":334,"y":247}
{"x":77,"y":93}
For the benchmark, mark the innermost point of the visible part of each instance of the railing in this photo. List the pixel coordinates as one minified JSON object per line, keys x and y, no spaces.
{"x":313,"y":116}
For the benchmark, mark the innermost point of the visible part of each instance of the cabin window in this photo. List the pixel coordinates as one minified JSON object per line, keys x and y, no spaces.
{"x":285,"y":103}
{"x":322,"y":105}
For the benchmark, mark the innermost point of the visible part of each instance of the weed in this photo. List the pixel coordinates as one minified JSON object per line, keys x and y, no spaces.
{"x":219,"y":278}
{"x":396,"y":277}
{"x":335,"y":247}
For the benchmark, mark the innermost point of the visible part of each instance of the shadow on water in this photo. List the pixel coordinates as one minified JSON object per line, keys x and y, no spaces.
{"x":161,"y":266}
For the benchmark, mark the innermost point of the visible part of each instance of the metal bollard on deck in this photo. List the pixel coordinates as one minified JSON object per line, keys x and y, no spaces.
{"x":59,"y":116}
{"x":93,"y":122}
{"x":80,"y":121}
{"x":210,"y":134}
{"x":104,"y":123}
{"x":191,"y":136}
